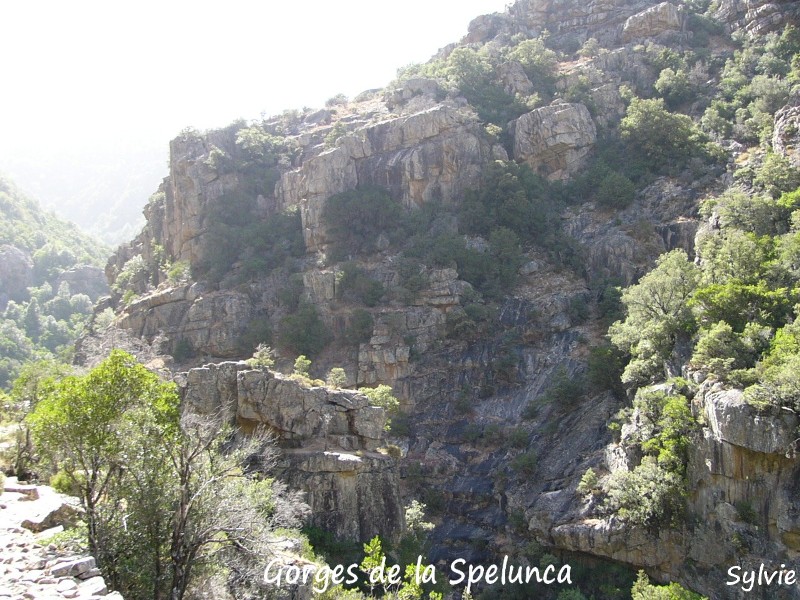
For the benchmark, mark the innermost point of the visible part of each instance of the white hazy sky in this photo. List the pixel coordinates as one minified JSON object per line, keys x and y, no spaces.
{"x":88,"y":73}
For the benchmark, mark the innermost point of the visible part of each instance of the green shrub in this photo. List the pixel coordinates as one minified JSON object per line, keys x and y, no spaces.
{"x":525,"y":463}
{"x":472,"y":73}
{"x":615,"y":191}
{"x":746,"y":512}
{"x":336,"y":377}
{"x":262,"y":358}
{"x":355,"y":284}
{"x":382,"y":396}
{"x":304,"y":332}
{"x":64,"y":484}
{"x":588,"y":483}
{"x":259,"y":331}
{"x":354,"y":220}
{"x":649,"y":496}
{"x":179,"y":272}
{"x":539,"y":62}
{"x":518,"y":438}
{"x":412,"y":275}
{"x":578,"y":310}
{"x":360,"y":327}
{"x":643,"y":590}
{"x":301,"y":366}
{"x":564,"y":390}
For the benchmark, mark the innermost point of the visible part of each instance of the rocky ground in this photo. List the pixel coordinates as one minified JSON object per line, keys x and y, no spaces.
{"x":30,"y":567}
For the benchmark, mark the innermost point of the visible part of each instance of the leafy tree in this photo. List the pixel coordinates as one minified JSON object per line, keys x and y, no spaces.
{"x":167,"y":499}
{"x":674,"y":86}
{"x":304,"y":332}
{"x":35,"y":382}
{"x":738,"y":304}
{"x":336,"y":377}
{"x":660,"y":138}
{"x":719,"y":350}
{"x":76,"y":425}
{"x":539,"y":62}
{"x":657,"y":317}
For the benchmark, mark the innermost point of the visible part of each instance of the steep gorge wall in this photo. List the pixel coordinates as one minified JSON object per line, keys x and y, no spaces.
{"x":467,"y":395}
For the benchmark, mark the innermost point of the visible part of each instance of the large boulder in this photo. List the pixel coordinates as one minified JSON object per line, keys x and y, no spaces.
{"x":652,"y":22}
{"x":554,"y":140}
{"x":732,"y":420}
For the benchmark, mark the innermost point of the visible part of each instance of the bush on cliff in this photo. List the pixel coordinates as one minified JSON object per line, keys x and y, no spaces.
{"x":190,"y":508}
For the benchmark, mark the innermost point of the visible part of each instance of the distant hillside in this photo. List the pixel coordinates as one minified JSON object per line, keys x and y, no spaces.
{"x":49,"y":280}
{"x":101,"y":189}
{"x":24,"y":224}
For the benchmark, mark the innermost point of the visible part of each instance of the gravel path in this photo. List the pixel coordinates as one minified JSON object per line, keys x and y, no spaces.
{"x":30,"y":569}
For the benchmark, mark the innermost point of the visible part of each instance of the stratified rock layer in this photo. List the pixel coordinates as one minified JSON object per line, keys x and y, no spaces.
{"x":329,"y":440}
{"x":554,"y":140}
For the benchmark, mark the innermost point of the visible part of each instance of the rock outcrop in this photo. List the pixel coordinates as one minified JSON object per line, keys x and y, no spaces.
{"x":742,"y":477}
{"x":209,"y":322}
{"x":470,"y":370}
{"x":84,"y":279}
{"x":786,"y":134}
{"x":329,"y":443}
{"x":16,"y":274}
{"x":651,"y":23}
{"x":567,"y":22}
{"x":757,"y":17}
{"x":432,"y":155}
{"x":554,"y":140}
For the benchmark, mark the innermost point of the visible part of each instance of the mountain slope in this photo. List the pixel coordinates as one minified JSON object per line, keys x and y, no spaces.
{"x":461,"y":236}
{"x":49,"y":279}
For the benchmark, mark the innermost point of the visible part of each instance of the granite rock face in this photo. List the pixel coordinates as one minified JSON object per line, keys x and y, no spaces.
{"x":569,"y":20}
{"x":786,"y":135}
{"x":210,"y":322}
{"x":432,"y":155}
{"x":652,"y":22}
{"x":328,"y":439}
{"x":554,"y":140}
{"x":16,"y":274}
{"x":757,"y":17}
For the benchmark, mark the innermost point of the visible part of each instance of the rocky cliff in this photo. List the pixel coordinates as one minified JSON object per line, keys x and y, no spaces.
{"x":499,"y":425}
{"x":329,"y":441}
